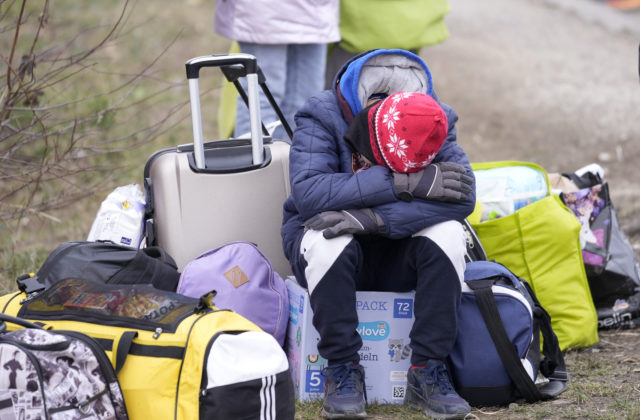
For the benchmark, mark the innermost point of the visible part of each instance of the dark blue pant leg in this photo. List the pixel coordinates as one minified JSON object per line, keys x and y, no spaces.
{"x":333,"y":270}
{"x":332,"y":295}
{"x":419,"y":264}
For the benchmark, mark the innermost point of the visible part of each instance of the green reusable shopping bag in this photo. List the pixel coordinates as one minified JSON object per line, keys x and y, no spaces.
{"x":539,"y":241}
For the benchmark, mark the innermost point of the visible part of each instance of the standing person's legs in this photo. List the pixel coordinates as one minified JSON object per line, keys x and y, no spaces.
{"x":305,"y":77}
{"x":272,"y":59}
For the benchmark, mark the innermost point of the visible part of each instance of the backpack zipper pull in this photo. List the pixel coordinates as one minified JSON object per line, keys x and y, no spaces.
{"x":157,"y":333}
{"x":206,"y":302}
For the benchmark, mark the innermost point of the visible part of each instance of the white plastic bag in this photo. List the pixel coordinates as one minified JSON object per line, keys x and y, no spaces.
{"x":120,"y":218}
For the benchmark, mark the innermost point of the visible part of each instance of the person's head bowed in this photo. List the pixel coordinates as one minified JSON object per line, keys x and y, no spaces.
{"x":403,"y":131}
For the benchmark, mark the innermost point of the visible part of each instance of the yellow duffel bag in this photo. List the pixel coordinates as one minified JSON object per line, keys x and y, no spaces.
{"x":176,"y":357}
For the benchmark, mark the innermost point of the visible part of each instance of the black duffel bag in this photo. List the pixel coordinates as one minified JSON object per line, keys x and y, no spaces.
{"x":105,"y":262}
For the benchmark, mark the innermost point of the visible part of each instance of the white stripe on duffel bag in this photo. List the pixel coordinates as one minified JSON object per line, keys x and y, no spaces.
{"x":267,"y":398}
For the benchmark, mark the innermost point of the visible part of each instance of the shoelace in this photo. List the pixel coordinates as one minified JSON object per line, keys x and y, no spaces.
{"x":438,"y":375}
{"x":345,"y":376}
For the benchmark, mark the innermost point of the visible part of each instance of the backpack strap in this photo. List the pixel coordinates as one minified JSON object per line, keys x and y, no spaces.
{"x":595,"y":249}
{"x":510,"y":359}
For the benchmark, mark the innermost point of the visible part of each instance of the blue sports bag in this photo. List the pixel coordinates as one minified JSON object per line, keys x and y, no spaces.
{"x":496,"y":358}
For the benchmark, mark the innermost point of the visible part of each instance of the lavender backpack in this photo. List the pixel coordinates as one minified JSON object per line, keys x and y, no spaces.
{"x":245,"y":282}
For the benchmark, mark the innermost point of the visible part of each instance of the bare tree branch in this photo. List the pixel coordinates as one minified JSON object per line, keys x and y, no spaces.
{"x":51,"y":140}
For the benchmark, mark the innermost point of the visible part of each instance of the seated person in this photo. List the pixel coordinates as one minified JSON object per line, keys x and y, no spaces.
{"x":395,"y":226}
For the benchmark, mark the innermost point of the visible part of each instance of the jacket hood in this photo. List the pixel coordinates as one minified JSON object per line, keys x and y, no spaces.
{"x":380,"y":71}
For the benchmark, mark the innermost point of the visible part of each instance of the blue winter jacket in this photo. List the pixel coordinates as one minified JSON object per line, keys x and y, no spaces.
{"x":321,"y":175}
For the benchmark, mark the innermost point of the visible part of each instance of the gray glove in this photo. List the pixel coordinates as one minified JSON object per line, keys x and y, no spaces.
{"x":336,"y":223}
{"x":443,"y":181}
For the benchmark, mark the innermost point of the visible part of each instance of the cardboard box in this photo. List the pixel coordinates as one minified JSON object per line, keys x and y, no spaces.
{"x":385,"y":320}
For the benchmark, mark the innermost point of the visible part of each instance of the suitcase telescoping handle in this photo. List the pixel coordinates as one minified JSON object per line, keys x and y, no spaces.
{"x":249,"y":62}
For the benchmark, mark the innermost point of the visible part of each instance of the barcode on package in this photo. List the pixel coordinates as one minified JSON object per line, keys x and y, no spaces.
{"x":398,"y":391}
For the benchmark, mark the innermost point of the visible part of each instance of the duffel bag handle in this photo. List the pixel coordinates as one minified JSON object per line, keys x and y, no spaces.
{"x":120,"y":349}
{"x":553,"y":367}
{"x":4,"y":318}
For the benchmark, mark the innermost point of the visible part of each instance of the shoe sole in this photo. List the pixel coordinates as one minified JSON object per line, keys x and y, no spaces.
{"x":360,"y":415}
{"x":415,"y":401}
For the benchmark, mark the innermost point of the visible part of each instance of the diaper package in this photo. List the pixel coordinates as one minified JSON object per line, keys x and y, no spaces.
{"x":120,"y":218}
{"x":503,"y":190}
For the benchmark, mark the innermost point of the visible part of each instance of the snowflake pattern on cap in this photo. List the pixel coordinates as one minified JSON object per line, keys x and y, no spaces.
{"x":390,"y":118}
{"x":390,"y":141}
{"x":397,"y":146}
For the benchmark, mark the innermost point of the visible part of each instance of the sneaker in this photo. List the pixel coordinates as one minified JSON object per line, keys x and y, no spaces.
{"x":429,"y":389}
{"x":344,"y":392}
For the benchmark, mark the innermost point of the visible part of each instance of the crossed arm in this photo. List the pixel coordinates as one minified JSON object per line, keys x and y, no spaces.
{"x":374,"y":201}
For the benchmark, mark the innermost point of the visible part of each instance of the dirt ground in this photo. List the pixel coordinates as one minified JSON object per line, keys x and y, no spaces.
{"x":553,"y":85}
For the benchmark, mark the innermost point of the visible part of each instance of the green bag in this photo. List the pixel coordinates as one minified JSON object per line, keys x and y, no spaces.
{"x":539,"y":241}
{"x":406,"y":24}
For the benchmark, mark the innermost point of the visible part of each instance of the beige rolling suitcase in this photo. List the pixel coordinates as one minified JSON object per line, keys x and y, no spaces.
{"x":205,"y":194}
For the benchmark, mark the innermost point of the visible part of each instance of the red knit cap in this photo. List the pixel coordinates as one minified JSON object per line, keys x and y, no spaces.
{"x":406,"y":131}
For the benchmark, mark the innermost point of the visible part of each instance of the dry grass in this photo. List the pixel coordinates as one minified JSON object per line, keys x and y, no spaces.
{"x":168,"y":31}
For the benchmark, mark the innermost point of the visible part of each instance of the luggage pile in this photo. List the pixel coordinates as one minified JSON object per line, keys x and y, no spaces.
{"x":101,"y":330}
{"x":560,"y":245}
{"x":172,"y":354}
{"x":192,"y":322}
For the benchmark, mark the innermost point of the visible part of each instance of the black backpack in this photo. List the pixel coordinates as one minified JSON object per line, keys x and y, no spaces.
{"x":104,"y":262}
